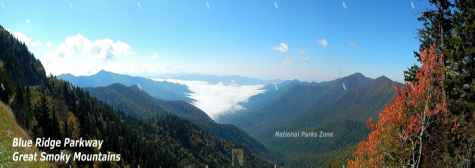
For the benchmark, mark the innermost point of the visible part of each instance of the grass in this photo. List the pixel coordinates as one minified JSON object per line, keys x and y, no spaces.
{"x":9,"y":129}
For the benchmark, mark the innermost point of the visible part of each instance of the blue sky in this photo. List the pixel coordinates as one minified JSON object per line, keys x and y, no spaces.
{"x":310,"y":40}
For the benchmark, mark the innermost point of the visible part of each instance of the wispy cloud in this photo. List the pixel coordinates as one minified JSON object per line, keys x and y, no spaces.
{"x":323,"y":42}
{"x":344,"y":5}
{"x":139,"y":5}
{"x":28,"y":21}
{"x":291,"y":58}
{"x":282,"y":48}
{"x":413,"y":6}
{"x":276,"y":5}
{"x":69,"y":3}
{"x":208,"y":5}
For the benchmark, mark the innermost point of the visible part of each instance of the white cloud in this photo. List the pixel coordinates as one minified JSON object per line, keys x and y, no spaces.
{"x":343,"y":4}
{"x":28,"y":21}
{"x":81,"y":56}
{"x":218,"y":99}
{"x":413,"y":6}
{"x":291,"y":58}
{"x":323,"y":42}
{"x":208,"y":5}
{"x":276,"y":5}
{"x":282,"y":48}
{"x":139,"y":5}
{"x":29,"y":42}
{"x":23,"y":38}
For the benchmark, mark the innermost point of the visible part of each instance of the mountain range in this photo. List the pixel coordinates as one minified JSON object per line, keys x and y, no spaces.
{"x":340,"y":107}
{"x":158,"y":89}
{"x":214,"y":79}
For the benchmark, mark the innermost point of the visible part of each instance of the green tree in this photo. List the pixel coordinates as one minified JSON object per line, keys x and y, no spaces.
{"x":437,"y":26}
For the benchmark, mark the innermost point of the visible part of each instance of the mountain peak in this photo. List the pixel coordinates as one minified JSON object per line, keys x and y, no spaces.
{"x":105,"y":73}
{"x":117,"y":85}
{"x":67,"y":75}
{"x":102,"y":71}
{"x":355,"y":76}
{"x":383,"y":78}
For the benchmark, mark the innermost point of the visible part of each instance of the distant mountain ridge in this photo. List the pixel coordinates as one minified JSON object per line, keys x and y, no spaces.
{"x":341,"y":106}
{"x":157,"y":89}
{"x":214,"y":79}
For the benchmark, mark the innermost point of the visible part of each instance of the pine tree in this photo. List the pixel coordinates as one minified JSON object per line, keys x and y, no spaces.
{"x":437,"y":24}
{"x":460,"y":82}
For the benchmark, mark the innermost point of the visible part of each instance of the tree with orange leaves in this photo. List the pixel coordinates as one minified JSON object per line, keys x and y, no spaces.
{"x":431,"y":121}
{"x":400,"y":137}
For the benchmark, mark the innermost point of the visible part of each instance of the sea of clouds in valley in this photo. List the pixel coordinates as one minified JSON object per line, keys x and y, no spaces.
{"x":219,"y":98}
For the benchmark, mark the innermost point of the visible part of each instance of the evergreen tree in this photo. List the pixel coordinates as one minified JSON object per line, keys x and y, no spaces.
{"x":437,"y":26}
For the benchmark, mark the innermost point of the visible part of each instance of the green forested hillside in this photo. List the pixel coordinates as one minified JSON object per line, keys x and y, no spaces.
{"x":49,"y":107}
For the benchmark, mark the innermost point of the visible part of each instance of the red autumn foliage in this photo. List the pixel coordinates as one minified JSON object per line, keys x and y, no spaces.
{"x":397,"y":138}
